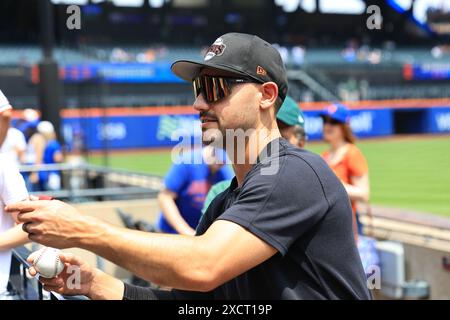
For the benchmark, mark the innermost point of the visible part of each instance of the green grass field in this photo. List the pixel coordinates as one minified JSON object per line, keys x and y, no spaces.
{"x":411,"y":173}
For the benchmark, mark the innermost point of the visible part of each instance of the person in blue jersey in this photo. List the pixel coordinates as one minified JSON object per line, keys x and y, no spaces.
{"x":186,"y":186}
{"x":50,"y":180}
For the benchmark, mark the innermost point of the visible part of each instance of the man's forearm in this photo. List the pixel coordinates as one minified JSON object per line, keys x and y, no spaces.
{"x":174,"y":261}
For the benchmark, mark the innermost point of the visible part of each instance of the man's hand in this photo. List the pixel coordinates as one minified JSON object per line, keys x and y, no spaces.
{"x":51,"y":223}
{"x":78,"y":278}
{"x":14,"y":214}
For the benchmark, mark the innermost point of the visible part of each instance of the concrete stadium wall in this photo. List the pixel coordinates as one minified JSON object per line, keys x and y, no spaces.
{"x":426,"y":243}
{"x":427,"y":264}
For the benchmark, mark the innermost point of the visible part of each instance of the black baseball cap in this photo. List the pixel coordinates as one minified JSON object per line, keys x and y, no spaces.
{"x":242,"y":54}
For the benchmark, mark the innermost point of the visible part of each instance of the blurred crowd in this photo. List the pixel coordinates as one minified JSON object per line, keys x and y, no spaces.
{"x":30,"y":141}
{"x":123,"y":55}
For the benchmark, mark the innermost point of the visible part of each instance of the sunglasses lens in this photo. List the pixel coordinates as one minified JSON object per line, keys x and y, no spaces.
{"x":209,"y":89}
{"x":197,"y":87}
{"x":223,"y":87}
{"x":212,"y":88}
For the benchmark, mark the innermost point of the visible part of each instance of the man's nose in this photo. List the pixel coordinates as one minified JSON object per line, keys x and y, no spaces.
{"x":200,"y":104}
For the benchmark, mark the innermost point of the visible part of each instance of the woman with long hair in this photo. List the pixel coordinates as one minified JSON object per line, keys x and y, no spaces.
{"x":344,"y":157}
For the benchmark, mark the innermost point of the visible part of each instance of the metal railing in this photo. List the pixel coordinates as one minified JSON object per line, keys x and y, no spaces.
{"x":86,"y":182}
{"x":26,"y":287}
{"x":310,"y":82}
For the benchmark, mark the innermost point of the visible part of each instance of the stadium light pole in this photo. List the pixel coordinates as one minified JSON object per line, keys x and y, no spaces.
{"x":49,"y":84}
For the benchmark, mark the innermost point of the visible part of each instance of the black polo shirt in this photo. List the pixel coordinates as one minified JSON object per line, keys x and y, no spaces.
{"x":304,"y":212}
{"x":294,"y":202}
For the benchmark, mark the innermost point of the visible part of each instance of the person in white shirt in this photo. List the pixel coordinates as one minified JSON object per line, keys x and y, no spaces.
{"x":12,"y":189}
{"x":10,"y":235}
{"x":5,"y":117}
{"x":12,"y":141}
{"x":34,"y":155}
{"x":14,"y":146}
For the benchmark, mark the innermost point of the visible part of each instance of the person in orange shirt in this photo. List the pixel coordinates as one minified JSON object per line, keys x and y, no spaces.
{"x":344,"y":157}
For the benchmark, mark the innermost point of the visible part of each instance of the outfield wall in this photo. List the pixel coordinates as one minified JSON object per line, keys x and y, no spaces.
{"x":156,"y":127}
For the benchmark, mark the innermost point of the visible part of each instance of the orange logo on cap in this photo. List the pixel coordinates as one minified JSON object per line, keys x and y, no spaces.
{"x":261,"y":71}
{"x":332,"y":109}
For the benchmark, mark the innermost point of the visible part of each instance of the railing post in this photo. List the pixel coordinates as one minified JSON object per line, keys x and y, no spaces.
{"x":24,"y":281}
{"x":40,"y":291}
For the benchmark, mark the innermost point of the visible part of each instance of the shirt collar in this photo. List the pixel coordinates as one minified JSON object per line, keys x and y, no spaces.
{"x":269,"y":149}
{"x":266,"y":153}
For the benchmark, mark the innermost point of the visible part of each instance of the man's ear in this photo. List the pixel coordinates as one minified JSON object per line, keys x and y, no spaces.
{"x":269,"y":92}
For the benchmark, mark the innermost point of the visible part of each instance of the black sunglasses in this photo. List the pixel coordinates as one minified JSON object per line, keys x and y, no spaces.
{"x":216,"y":88}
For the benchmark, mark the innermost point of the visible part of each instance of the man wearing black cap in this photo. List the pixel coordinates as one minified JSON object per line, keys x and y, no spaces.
{"x":282,"y":230}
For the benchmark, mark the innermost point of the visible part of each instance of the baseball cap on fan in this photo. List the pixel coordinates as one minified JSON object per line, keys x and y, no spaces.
{"x":4,"y":103}
{"x":244,"y":55}
{"x":291,"y":114}
{"x":336,"y":111}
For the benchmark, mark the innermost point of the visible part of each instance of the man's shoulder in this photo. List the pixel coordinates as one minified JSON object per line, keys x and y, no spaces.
{"x":214,"y":210}
{"x":306,"y":155}
{"x":296,"y":172}
{"x":301,"y":159}
{"x":297,"y":159}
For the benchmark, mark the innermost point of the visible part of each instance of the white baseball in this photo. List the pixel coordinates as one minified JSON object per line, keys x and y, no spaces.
{"x":48,"y":264}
